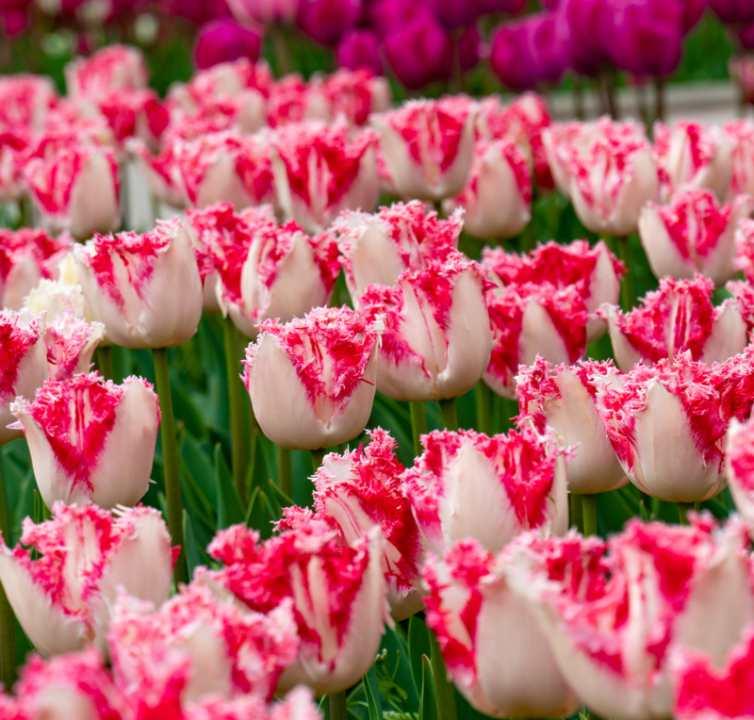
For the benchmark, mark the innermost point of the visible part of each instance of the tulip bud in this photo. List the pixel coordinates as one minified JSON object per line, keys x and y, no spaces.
{"x":224,"y":40}
{"x":377,"y":249}
{"x":428,"y":146}
{"x":116,"y":67}
{"x":436,"y":340}
{"x":319,"y":172}
{"x":360,"y":50}
{"x":529,"y":321}
{"x":25,"y":101}
{"x":468,"y":485}
{"x":326,"y":21}
{"x":499,"y":169}
{"x":71,"y":342}
{"x":693,"y":234}
{"x":312,"y":381}
{"x":146,"y":289}
{"x":495,"y":652}
{"x":63,"y":594}
{"x":678,"y":318}
{"x":338,"y":595}
{"x":350,"y":94}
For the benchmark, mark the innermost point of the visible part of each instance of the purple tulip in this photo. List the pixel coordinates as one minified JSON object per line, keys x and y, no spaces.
{"x":327,"y":21}
{"x":196,"y":11}
{"x":225,"y":40}
{"x":469,"y":48}
{"x":360,"y":48}
{"x":692,"y":12}
{"x":388,"y":16}
{"x":267,"y":12}
{"x":511,"y":7}
{"x":581,"y":22}
{"x":746,"y":37}
{"x":454,"y":14}
{"x":734,"y":12}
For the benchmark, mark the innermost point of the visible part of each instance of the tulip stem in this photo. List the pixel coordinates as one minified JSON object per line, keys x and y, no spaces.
{"x":589,"y":514}
{"x":105,"y":362}
{"x":444,"y":694}
{"x":627,"y":291}
{"x":483,"y":408}
{"x":418,"y":425}
{"x":317,"y":457}
{"x":285,"y":471}
{"x":170,"y":461}
{"x":238,"y":440}
{"x":339,"y":706}
{"x":575,"y":507}
{"x":449,"y":414}
{"x":683,"y":512}
{"x":7,"y":618}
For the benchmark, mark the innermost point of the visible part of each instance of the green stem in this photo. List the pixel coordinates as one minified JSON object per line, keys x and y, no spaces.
{"x":285,"y":474}
{"x":449,"y":414}
{"x":7,"y":618}
{"x":444,"y":694}
{"x":589,"y":513}
{"x":683,"y":512}
{"x":235,"y":401}
{"x":280,"y":48}
{"x":418,"y":425}
{"x":170,"y":461}
{"x":577,"y":515}
{"x":627,"y":291}
{"x":317,"y":457}
{"x":483,"y":408}
{"x":339,"y":706}
{"x":105,"y":362}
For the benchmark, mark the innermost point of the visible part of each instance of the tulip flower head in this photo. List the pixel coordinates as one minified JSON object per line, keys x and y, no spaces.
{"x":266,"y":12}
{"x":312,"y":381}
{"x":13,"y":146}
{"x":224,"y":40}
{"x":146,"y":289}
{"x":116,"y":67}
{"x":468,"y":485}
{"x":63,"y":593}
{"x":741,"y":136}
{"x":350,"y":94}
{"x":745,"y":248}
{"x":25,"y":101}
{"x":360,"y":50}
{"x":71,"y":343}
{"x":739,"y":452}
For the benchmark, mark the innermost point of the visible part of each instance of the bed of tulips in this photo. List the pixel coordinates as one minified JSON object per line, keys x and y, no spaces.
{"x":317,"y":442}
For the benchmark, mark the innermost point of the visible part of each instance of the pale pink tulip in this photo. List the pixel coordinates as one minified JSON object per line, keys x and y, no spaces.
{"x":116,"y":67}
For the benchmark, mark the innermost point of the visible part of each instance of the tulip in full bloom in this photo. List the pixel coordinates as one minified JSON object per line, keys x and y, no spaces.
{"x":338,"y":595}
{"x":563,"y":397}
{"x":693,"y":234}
{"x":146,"y":289}
{"x":360,"y":490}
{"x":494,"y":649}
{"x":91,"y":440}
{"x":678,"y":318}
{"x":436,"y":340}
{"x":378,"y":248}
{"x":530,"y":321}
{"x":428,"y":146}
{"x":468,"y":485}
{"x":320,"y":171}
{"x":312,"y":381}
{"x":498,"y":193}
{"x":116,"y":67}
{"x":63,"y":593}
{"x":71,"y":342}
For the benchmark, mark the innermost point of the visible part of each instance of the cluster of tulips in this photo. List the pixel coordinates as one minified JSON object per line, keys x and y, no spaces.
{"x":528,"y":618}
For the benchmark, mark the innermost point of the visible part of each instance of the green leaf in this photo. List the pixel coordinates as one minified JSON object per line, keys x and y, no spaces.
{"x":199,"y":461}
{"x":192,"y":550}
{"x":427,"y":708}
{"x":260,"y":515}
{"x":372,"y":691}
{"x":229,"y":507}
{"x":418,"y":645}
{"x":282,"y":499}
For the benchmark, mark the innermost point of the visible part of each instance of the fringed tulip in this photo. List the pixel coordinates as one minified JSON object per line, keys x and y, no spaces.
{"x":134,"y":113}
{"x":377,"y":249}
{"x":13,"y":146}
{"x":320,"y":171}
{"x":71,"y":343}
{"x":564,"y":398}
{"x":745,"y":249}
{"x":63,"y":591}
{"x":350,"y":94}
{"x":678,"y":318}
{"x":498,"y":193}
{"x":312,"y":381}
{"x":741,"y":136}
{"x":739,"y":453}
{"x":91,"y":440}
{"x":530,"y":321}
{"x":428,"y":146}
{"x":436,"y":340}
{"x":360,"y":490}
{"x":25,"y":101}
{"x":146,"y":289}
{"x":494,"y":649}
{"x":338,"y":595}
{"x":468,"y":485}
{"x":116,"y":67}
{"x":693,"y":234}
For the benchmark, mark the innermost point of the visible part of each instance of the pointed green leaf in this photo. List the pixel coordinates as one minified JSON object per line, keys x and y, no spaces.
{"x":229,"y":507}
{"x":282,"y":499}
{"x":418,"y":645}
{"x":372,"y":691}
{"x":260,"y":515}
{"x":192,"y":550}
{"x":428,"y":707}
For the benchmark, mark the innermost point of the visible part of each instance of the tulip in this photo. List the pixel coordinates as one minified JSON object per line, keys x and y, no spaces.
{"x":436,"y":342}
{"x":312,"y":381}
{"x":594,"y":271}
{"x":162,"y":173}
{"x":12,"y":151}
{"x":63,"y":296}
{"x":564,"y":398}
{"x":745,"y":248}
{"x":131,"y":284}
{"x":24,"y":358}
{"x":116,"y":67}
{"x":495,"y":652}
{"x":25,"y":101}
{"x":351,"y":94}
{"x":224,"y":40}
{"x":360,"y":490}
{"x":229,"y":649}
{"x":693,"y":234}
{"x":298,"y":704}
{"x":377,"y":249}
{"x":531,"y":320}
{"x":63,"y":598}
{"x":327,"y":21}
{"x":733,"y":12}
{"x":608,"y":171}
{"x":338,"y":595}
{"x":319,"y":172}
{"x":468,"y":485}
{"x":582,"y":25}
{"x":132,"y":113}
{"x":428,"y":146}
{"x":265,"y":271}
{"x":499,"y":170}
{"x":741,"y":136}
{"x":288,"y":101}
{"x":739,"y":452}
{"x":71,"y":342}
{"x":678,"y":318}
{"x":266,"y":12}
{"x":360,"y":49}
{"x":691,"y":154}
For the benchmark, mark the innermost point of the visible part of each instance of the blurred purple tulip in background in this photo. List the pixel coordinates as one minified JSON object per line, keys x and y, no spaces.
{"x":224,"y":40}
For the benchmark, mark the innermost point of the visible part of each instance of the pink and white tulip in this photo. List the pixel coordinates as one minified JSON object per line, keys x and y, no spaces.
{"x":91,"y":440}
{"x":312,"y":381}
{"x":145,"y":289}
{"x":428,"y":146}
{"x":71,"y":343}
{"x":63,"y":598}
{"x":436,"y":340}
{"x":745,"y":249}
{"x":25,"y":101}
{"x":739,"y":453}
{"x":468,"y":485}
{"x":13,"y":147}
{"x":693,"y":234}
{"x":353,"y":94}
{"x":116,"y":67}
{"x":741,"y":135}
